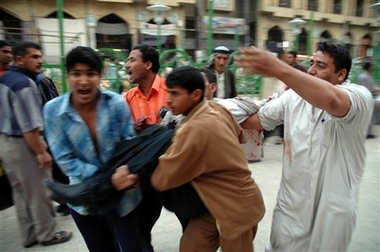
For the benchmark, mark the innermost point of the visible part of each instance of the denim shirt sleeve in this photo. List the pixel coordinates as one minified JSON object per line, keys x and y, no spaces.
{"x":125,"y":123}
{"x":56,"y":131}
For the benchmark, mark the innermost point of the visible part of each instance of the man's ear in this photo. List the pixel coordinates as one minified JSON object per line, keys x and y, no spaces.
{"x":148,"y":65}
{"x":197,"y":94}
{"x":18,"y":60}
{"x":213,"y":87}
{"x":342,"y":75}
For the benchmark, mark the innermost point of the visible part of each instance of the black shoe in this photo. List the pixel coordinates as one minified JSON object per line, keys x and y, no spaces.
{"x":371,"y":136}
{"x":253,"y":161}
{"x":63,"y":209}
{"x":59,"y":237}
{"x":60,"y":208}
{"x":31,"y":244}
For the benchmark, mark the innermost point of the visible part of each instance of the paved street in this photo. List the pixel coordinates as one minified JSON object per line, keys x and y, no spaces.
{"x":267,"y":174}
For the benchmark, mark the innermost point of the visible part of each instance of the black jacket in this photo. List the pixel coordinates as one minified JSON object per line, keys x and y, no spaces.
{"x":141,"y":155}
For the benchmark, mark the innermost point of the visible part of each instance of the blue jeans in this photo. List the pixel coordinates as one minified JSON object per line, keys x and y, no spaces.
{"x":109,"y":232}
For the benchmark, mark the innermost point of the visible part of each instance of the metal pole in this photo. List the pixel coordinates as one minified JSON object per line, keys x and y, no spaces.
{"x":199,"y":25}
{"x":376,"y":72}
{"x":61,"y":43}
{"x":236,"y":38}
{"x":296,"y":39}
{"x":159,"y":38}
{"x":310,"y":35}
{"x":247,"y":16}
{"x":86,"y":7}
{"x":210,"y":25}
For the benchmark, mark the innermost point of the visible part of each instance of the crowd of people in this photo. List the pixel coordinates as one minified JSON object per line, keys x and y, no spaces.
{"x":325,"y":120}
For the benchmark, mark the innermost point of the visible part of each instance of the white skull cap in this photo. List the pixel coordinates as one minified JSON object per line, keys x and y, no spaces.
{"x":221,"y":49}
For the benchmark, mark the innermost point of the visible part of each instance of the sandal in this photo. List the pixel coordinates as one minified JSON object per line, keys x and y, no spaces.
{"x":59,"y":237}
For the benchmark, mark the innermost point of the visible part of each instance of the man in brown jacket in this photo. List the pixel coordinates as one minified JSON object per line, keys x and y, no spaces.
{"x":206,"y":151}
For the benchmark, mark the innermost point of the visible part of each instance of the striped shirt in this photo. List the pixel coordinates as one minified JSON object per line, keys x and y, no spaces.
{"x":71,"y":144}
{"x":150,"y":106}
{"x":20,"y":103}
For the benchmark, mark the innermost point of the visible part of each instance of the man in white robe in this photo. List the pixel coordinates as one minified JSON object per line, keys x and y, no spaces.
{"x":324,"y":148}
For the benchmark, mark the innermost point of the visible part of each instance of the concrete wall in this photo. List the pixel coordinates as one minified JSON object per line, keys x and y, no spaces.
{"x":324,"y":19}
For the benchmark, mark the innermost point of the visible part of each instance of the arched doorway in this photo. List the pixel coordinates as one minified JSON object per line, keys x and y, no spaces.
{"x":148,"y":34}
{"x":74,"y":34}
{"x":365,"y":49}
{"x":302,"y":45}
{"x":325,"y":37}
{"x":55,"y":15}
{"x":252,"y":33}
{"x":12,"y":28}
{"x":113,"y":32}
{"x":347,"y":41}
{"x":275,"y":37}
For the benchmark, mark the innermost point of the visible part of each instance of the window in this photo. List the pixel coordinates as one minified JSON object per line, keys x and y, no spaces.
{"x":337,"y":7}
{"x":190,"y":23}
{"x":312,"y":5}
{"x":359,"y":8}
{"x":284,"y":3}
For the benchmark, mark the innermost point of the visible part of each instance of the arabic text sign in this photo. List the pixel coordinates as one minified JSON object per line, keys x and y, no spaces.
{"x":151,"y":29}
{"x":225,"y":25}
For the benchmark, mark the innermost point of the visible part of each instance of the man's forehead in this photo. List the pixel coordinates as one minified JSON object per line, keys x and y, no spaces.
{"x":81,"y":66}
{"x":320,"y":56}
{"x":6,"y":48}
{"x":33,"y":51}
{"x":135,"y":54}
{"x":177,"y":89}
{"x":221,"y":55}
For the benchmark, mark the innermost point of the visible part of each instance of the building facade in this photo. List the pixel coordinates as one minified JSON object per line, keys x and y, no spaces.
{"x":351,"y":22}
{"x":193,"y":25}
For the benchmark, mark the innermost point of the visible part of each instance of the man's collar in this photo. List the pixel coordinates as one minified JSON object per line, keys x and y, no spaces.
{"x":23,"y":71}
{"x":155,"y":86}
{"x":197,"y":110}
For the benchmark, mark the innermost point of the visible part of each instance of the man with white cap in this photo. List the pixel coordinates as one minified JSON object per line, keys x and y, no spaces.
{"x":225,"y":77}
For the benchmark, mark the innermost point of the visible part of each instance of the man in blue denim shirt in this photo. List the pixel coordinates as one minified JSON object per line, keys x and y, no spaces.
{"x":82,"y":128}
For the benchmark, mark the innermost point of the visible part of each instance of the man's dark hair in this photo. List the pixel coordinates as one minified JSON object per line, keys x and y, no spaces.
{"x":339,"y":53}
{"x":280,"y":52}
{"x":4,"y":43}
{"x":21,"y":48}
{"x":187,"y":77}
{"x":210,"y":75}
{"x":294,"y":53}
{"x":367,"y":65}
{"x":84,"y":55}
{"x":149,"y":53}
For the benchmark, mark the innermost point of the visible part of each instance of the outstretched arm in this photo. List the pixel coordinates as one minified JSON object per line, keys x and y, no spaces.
{"x":316,"y":91}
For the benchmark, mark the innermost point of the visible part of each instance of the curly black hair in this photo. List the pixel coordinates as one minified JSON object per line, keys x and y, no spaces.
{"x":339,"y":53}
{"x":149,"y":53}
